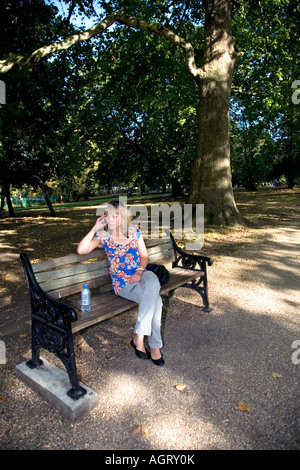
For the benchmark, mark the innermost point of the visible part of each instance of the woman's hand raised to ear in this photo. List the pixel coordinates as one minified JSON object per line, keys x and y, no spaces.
{"x":100,"y":223}
{"x":90,"y":242}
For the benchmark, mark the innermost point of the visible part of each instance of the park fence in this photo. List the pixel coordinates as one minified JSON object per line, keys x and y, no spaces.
{"x":25,"y":202}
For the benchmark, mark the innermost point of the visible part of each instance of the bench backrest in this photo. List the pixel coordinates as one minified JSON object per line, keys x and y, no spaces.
{"x":65,"y":276}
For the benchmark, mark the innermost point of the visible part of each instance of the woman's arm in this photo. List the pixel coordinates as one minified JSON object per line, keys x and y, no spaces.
{"x":144,"y":258}
{"x":89,"y":242}
{"x":136,"y":277}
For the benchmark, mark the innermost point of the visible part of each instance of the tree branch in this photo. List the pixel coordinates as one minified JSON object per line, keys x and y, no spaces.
{"x":36,"y":56}
{"x":166,"y":33}
{"x":130,"y":21}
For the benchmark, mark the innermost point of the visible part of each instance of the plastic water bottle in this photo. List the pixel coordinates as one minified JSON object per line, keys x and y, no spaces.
{"x":85,"y":299}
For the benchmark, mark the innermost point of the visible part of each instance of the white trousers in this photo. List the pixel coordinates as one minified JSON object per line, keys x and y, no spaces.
{"x":146,"y":294}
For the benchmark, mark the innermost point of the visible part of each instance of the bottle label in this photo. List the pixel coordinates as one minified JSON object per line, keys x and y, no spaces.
{"x":85,"y":298}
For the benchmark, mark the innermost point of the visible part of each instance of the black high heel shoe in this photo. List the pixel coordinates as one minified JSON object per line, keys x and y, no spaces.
{"x":140,"y":354}
{"x":158,"y":362}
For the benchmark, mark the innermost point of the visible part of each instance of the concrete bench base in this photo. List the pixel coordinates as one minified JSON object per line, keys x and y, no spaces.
{"x":50,"y":383}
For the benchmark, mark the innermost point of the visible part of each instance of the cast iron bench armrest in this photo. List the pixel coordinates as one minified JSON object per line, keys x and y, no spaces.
{"x":188,"y":260}
{"x":38,"y":296}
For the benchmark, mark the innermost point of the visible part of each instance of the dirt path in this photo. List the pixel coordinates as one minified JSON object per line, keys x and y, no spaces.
{"x":241,"y":386}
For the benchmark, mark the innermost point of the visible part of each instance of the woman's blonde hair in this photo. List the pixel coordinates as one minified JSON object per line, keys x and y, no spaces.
{"x":117,"y":207}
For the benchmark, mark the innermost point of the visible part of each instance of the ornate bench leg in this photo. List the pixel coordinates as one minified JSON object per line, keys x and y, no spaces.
{"x":59,"y":342}
{"x":35,"y":360}
{"x":199,"y":286}
{"x":76,"y":391}
{"x":203,"y":290}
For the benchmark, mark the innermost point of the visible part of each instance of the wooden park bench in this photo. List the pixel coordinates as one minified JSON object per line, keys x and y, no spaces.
{"x":54,"y":322}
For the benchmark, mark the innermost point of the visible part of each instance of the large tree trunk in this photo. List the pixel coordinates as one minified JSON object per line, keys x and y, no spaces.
{"x":211,"y":183}
{"x":6,"y":191}
{"x":43,"y":187}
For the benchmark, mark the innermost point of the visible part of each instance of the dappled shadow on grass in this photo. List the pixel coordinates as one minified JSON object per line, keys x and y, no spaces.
{"x":265,"y":265}
{"x":34,"y":230}
{"x":45,"y":236}
{"x":268,"y":206}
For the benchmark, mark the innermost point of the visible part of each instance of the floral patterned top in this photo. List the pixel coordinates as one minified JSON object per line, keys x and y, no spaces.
{"x":123,"y":259}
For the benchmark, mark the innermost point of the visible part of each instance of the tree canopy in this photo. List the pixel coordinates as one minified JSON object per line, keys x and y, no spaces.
{"x":143,"y":97}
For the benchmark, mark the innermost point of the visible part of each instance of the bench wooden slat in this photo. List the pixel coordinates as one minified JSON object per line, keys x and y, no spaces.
{"x":83,"y":278}
{"x":55,"y":287}
{"x":155,"y":246}
{"x":179,"y":277}
{"x":158,"y":256}
{"x":109,"y":305}
{"x":65,"y":260}
{"x":159,"y":248}
{"x":65,"y":275}
{"x":62,"y":292}
{"x":71,"y":271}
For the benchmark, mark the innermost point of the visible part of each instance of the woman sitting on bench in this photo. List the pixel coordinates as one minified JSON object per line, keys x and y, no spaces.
{"x":128,"y":258}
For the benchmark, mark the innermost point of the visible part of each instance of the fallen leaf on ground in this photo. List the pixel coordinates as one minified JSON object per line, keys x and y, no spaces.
{"x":276,"y":375}
{"x":180,"y":387}
{"x":4,"y":278}
{"x":140,"y":430}
{"x":242,"y":407}
{"x":82,"y":344}
{"x":127,"y":341}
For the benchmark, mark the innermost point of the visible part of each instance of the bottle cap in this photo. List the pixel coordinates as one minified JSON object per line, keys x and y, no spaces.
{"x":85,"y":286}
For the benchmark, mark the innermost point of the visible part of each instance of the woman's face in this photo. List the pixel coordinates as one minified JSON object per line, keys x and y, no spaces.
{"x":113,"y":219}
